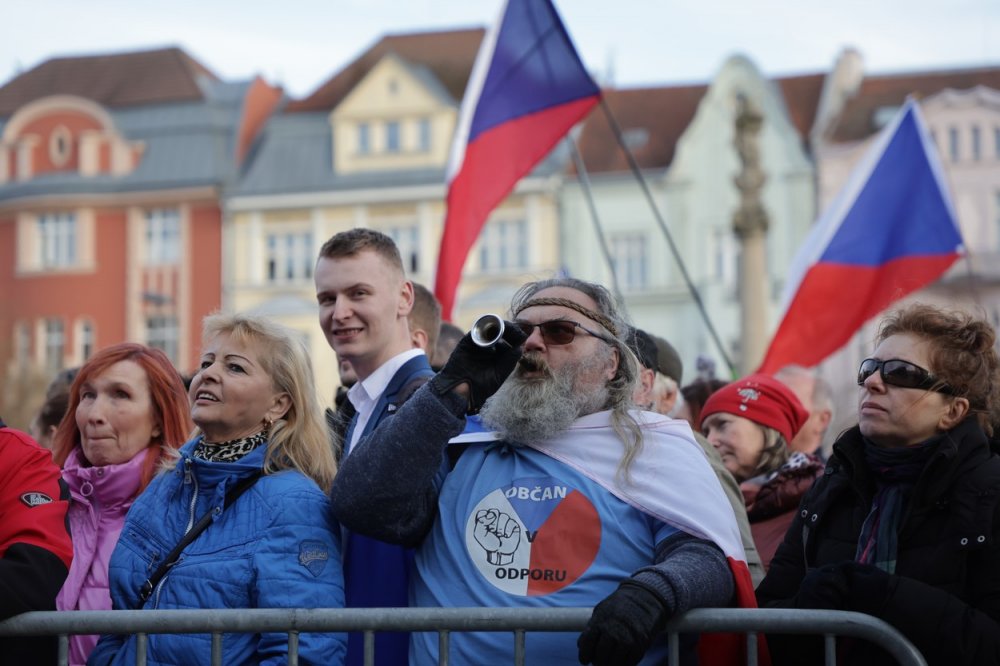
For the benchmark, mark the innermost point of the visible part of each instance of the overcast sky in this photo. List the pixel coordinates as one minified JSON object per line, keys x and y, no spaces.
{"x":301,"y":43}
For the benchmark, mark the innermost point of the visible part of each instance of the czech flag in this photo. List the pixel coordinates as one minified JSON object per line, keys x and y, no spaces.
{"x":527,"y":89}
{"x":889,"y":232}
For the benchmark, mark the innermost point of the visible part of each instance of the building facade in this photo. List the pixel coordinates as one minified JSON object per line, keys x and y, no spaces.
{"x":112,"y":174}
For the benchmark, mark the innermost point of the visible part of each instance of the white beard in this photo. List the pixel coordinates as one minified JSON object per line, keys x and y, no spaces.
{"x":536,"y":409}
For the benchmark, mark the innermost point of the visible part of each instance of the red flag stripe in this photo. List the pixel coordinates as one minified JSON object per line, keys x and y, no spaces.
{"x":493,"y":164}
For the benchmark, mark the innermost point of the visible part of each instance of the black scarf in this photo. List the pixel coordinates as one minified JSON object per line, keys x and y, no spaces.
{"x":896,"y":471}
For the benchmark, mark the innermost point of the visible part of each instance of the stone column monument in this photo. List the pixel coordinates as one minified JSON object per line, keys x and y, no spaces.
{"x":750,"y":226}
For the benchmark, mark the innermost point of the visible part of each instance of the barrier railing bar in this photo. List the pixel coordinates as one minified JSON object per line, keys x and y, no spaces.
{"x":752,"y":649}
{"x":673,"y":649}
{"x":714,"y":620}
{"x":369,"y":648}
{"x":63,"y":655}
{"x":519,"y":638}
{"x":293,"y":648}
{"x":830,"y":648}
{"x":216,"y":648}
{"x":444,"y":640}
{"x":140,"y":649}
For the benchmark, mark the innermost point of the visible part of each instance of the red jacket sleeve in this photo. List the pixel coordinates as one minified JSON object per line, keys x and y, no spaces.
{"x":35,"y":546}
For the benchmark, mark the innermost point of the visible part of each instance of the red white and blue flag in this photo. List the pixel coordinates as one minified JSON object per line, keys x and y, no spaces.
{"x":891,"y":230}
{"x":527,"y":89}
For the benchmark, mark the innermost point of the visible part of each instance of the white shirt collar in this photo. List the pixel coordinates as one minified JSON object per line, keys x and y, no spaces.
{"x":365,"y":393}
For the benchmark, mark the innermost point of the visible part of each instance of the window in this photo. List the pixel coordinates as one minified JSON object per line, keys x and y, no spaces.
{"x":953,"y":143}
{"x":84,"y":340}
{"x":55,"y":344}
{"x":163,"y":236}
{"x":424,"y":134}
{"x":996,"y":218}
{"x":628,"y":258}
{"x":504,"y":245}
{"x":996,"y":142}
{"x":976,"y":148}
{"x":724,"y":256}
{"x":162,"y":333}
{"x":392,"y":136}
{"x":22,"y":344}
{"x":290,"y":257}
{"x":407,"y":239}
{"x":364,"y":139}
{"x":57,"y":235}
{"x":60,"y":145}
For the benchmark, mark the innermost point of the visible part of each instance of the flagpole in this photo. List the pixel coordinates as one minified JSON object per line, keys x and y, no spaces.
{"x":637,"y":172}
{"x":584,"y":178}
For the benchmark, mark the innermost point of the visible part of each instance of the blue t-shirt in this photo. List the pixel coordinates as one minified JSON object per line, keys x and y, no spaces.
{"x":516,"y":528}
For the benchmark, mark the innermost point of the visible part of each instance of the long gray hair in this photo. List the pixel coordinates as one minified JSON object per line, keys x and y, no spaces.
{"x":626,"y":378}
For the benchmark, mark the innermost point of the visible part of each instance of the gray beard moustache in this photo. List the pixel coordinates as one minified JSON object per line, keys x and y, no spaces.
{"x":538,"y":409}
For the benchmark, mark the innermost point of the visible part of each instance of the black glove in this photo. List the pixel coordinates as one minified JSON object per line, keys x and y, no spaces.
{"x":868,"y":585}
{"x":484,"y":369}
{"x":623,"y":626}
{"x":825,"y":588}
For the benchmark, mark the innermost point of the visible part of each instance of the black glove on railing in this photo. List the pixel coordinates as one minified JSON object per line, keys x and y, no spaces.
{"x":623,"y":626}
{"x":484,"y":369}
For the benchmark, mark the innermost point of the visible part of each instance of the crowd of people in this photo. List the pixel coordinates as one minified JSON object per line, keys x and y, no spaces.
{"x":563,"y":465}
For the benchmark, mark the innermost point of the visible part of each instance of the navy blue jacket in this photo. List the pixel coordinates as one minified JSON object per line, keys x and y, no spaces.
{"x":377,"y":574}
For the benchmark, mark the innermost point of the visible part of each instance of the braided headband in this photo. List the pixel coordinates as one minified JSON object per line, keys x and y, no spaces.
{"x":566,"y":303}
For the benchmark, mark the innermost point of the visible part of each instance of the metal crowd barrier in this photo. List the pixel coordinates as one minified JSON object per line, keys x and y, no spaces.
{"x":445,"y":621}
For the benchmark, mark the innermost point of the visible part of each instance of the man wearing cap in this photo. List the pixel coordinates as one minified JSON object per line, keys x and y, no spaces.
{"x":816,"y":396}
{"x":566,"y":498}
{"x":667,"y":379}
{"x":647,"y":349}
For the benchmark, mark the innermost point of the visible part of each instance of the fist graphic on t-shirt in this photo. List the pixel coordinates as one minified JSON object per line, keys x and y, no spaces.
{"x":498,"y":534}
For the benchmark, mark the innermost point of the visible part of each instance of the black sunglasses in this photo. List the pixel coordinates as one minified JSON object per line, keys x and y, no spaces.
{"x":558,"y":331}
{"x":904,"y":374}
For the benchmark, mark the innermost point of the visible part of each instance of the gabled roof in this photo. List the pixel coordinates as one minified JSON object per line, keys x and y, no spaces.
{"x":858,"y":121}
{"x":447,"y":54}
{"x":113,"y":80}
{"x":802,"y":95}
{"x":661,"y":114}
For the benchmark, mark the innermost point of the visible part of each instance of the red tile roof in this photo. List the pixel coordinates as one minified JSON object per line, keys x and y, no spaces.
{"x":857,"y":121}
{"x":664,"y":113}
{"x":112,"y":80}
{"x":448,"y":54}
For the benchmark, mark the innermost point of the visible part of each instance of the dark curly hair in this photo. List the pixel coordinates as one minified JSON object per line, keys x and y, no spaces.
{"x":963,"y":354}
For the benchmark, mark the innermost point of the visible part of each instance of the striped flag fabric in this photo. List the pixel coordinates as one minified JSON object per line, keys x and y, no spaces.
{"x":891,"y":230}
{"x":528,"y":87}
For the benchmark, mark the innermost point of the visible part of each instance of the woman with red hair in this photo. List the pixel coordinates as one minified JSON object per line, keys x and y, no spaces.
{"x":127,"y":414}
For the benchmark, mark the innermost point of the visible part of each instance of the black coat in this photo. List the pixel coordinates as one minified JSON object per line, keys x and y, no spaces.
{"x":945,"y":594}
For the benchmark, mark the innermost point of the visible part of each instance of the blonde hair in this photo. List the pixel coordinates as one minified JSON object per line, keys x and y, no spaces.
{"x":299,"y":440}
{"x":775,"y":452}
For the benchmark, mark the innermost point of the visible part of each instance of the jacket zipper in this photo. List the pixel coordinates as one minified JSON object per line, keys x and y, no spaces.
{"x":189,"y":477}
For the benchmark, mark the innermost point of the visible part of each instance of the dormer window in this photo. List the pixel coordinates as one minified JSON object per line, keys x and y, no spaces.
{"x":392,"y":144}
{"x":424,"y":134}
{"x":60,"y":146}
{"x":364,"y":139}
{"x":393,"y":86}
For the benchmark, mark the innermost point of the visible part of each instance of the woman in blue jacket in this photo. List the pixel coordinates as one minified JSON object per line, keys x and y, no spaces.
{"x":276,"y":545}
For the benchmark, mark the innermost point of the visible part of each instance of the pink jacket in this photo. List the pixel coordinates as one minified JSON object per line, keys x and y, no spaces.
{"x":101,"y":496}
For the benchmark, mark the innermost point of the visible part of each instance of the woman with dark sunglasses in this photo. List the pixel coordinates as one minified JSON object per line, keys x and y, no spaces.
{"x":904,"y":524}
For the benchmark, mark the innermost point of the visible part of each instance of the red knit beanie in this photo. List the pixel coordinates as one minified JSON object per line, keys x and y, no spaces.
{"x":762,"y":399}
